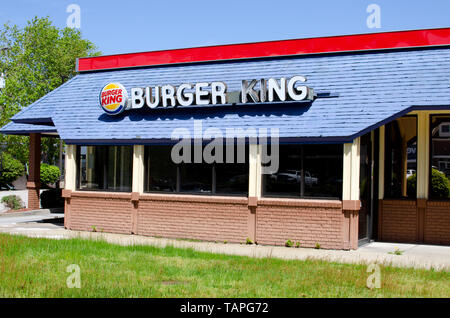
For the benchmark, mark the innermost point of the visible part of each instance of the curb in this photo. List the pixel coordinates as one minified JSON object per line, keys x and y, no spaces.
{"x":32,"y":212}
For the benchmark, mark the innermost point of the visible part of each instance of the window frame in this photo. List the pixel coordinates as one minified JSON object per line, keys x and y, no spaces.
{"x":386,"y":196}
{"x":178,"y":190}
{"x":265,"y":194}
{"x":78,"y":167}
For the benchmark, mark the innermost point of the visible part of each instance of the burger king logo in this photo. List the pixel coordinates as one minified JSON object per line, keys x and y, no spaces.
{"x":114,"y":98}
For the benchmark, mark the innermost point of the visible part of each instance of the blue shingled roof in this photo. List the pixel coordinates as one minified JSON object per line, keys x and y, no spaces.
{"x":13,"y":128}
{"x":371,"y":88}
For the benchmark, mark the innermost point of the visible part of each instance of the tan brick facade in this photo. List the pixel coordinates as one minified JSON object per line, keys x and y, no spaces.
{"x":212,"y":218}
{"x":304,"y":221}
{"x":410,"y":221}
{"x":437,"y":223}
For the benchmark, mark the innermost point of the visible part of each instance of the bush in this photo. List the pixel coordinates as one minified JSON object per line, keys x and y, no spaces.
{"x":52,"y":199}
{"x":288,"y":243}
{"x":49,"y":174}
{"x":13,"y":202}
{"x":440,"y":185}
{"x":11,"y":169}
{"x":411,"y":186}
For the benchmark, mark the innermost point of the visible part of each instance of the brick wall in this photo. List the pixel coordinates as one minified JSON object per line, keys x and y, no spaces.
{"x":398,"y":221}
{"x":437,"y":222}
{"x":108,"y":212}
{"x":196,"y":217}
{"x":306,"y":221}
{"x":410,"y":221}
{"x":210,"y":218}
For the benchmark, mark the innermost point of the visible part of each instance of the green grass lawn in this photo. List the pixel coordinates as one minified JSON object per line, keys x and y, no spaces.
{"x":31,"y":267}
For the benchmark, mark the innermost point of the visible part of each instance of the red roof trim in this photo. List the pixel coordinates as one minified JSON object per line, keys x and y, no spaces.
{"x":333,"y":44}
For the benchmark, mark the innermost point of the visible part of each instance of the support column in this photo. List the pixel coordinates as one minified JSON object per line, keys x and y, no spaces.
{"x":423,"y":165}
{"x":34,"y":171}
{"x":137,"y":186}
{"x":70,"y":177}
{"x":350,"y":193}
{"x":423,"y":151}
{"x":254,"y":187}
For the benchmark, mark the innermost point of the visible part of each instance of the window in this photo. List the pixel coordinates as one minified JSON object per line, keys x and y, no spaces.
{"x":440,"y":157}
{"x":307,"y":171}
{"x":226,"y":178}
{"x":105,"y":168}
{"x":401,"y":158}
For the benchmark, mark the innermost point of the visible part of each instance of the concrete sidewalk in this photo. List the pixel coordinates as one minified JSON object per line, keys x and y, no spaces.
{"x":415,"y":256}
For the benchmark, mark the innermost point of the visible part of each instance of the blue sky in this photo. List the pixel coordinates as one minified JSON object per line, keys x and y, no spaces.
{"x":138,"y":25}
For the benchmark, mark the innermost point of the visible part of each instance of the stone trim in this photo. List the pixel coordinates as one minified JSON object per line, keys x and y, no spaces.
{"x":351,"y":205}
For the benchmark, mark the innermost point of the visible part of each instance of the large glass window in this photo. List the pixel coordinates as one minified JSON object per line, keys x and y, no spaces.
{"x":313,"y":171}
{"x":440,"y":157}
{"x":401,"y":158}
{"x":224,"y":177}
{"x":105,"y":168}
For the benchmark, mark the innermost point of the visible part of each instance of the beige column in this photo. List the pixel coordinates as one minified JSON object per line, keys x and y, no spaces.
{"x":70,"y":168}
{"x":254,"y":188}
{"x":70,"y":177}
{"x":137,"y":186}
{"x":350,"y":193}
{"x":254,"y":175}
{"x":138,"y":169}
{"x":350,"y":184}
{"x":423,"y":166}
{"x":423,"y":151}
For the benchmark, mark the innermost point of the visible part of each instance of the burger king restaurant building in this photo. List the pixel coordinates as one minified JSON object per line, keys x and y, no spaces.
{"x":333,"y":141}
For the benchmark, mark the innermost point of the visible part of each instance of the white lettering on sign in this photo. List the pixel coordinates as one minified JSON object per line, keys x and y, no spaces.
{"x":214,"y":93}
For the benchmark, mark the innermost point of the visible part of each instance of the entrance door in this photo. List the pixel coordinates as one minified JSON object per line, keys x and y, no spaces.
{"x":366,"y":189}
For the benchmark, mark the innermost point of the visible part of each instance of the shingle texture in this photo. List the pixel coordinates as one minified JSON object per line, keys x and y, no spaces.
{"x":370,"y":87}
{"x":13,"y":128}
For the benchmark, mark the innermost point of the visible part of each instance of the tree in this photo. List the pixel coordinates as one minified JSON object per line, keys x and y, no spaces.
{"x":40,"y":57}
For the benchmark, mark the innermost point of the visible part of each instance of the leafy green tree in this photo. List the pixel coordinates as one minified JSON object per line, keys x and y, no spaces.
{"x":38,"y":58}
{"x":10,"y":169}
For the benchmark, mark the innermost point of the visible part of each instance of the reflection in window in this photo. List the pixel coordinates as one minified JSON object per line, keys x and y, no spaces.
{"x":307,"y":171}
{"x":160,"y":172}
{"x":401,"y":158}
{"x":440,"y":157}
{"x":232,"y":178}
{"x":105,"y":168}
{"x":226,"y":178}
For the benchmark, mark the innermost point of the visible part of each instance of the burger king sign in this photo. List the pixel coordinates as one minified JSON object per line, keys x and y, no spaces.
{"x":114,"y":98}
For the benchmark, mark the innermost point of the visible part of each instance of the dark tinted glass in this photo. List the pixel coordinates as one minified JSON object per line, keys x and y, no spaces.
{"x":160,"y":171}
{"x":401,"y":158}
{"x":313,"y":171}
{"x":105,"y":168}
{"x":440,"y":157}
